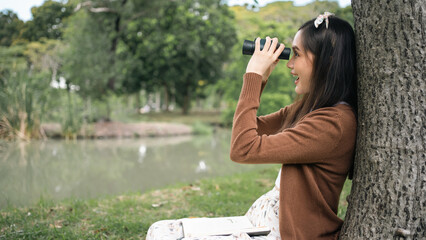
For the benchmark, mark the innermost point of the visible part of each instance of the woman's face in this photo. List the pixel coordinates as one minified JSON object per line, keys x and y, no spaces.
{"x":301,"y":64}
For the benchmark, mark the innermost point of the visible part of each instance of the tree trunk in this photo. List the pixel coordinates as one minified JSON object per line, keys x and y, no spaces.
{"x":108,"y":109}
{"x":166,"y":97}
{"x":158,"y":101}
{"x":388,"y":198}
{"x":117,"y":21}
{"x":186,"y":101}
{"x":138,"y":104}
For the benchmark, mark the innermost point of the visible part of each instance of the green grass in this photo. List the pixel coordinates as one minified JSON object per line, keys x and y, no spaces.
{"x":129,"y":216}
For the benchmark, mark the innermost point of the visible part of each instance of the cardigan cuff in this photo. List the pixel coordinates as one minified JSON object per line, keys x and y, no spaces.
{"x":252,"y":86}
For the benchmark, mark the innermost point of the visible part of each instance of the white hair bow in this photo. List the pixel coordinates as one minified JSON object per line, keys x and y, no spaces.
{"x":321,"y":18}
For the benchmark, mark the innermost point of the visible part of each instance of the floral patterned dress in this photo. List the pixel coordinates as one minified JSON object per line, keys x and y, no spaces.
{"x":263,"y":212}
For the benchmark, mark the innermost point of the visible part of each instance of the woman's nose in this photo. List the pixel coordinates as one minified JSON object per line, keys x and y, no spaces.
{"x":290,"y":63}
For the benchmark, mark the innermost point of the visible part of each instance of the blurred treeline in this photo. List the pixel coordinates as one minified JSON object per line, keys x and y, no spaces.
{"x":79,"y":61}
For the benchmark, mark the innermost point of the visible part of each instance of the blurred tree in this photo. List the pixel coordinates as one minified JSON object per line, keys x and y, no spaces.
{"x":26,"y":73}
{"x":47,"y":21}
{"x":87,"y":55}
{"x":97,"y":58}
{"x":139,"y":23}
{"x":12,"y":59}
{"x":189,"y":47}
{"x":10,"y":27}
{"x":123,"y":46}
{"x":175,"y":46}
{"x":44,"y":56}
{"x":346,"y":14}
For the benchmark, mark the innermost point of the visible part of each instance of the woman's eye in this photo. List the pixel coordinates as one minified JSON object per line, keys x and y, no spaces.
{"x":296,"y":54}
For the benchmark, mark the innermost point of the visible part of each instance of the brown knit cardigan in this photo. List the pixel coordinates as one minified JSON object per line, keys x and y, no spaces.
{"x":316,"y":155}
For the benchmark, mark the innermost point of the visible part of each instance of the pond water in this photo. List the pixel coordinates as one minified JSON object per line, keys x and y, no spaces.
{"x":59,"y":169}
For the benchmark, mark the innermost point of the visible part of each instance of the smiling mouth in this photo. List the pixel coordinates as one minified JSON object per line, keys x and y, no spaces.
{"x":296,"y":79}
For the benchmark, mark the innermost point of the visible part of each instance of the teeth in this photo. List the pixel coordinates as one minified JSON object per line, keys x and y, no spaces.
{"x":296,"y":80}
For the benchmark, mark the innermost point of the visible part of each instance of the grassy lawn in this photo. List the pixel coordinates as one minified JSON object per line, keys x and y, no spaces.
{"x":129,"y":216}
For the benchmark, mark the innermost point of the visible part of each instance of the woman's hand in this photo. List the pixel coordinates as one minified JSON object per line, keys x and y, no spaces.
{"x":263,"y":62}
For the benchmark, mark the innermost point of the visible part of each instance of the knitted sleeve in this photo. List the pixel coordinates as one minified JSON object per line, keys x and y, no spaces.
{"x":271,"y":123}
{"x":312,"y":140}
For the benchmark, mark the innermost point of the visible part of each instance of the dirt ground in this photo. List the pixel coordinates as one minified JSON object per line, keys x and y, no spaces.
{"x":121,"y":130}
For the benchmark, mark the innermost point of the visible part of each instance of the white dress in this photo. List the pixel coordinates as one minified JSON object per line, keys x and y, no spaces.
{"x":263,"y":212}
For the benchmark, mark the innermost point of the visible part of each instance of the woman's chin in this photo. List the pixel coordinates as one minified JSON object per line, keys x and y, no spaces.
{"x":299,"y":90}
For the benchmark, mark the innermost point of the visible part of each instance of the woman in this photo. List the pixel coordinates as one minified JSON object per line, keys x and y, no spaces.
{"x":313,"y":139}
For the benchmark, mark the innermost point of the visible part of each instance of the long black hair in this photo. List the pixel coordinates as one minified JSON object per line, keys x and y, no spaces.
{"x":334,"y":74}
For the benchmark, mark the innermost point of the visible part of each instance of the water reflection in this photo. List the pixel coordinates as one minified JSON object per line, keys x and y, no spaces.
{"x":142,"y":153}
{"x":202,"y":167}
{"x":91,"y":168}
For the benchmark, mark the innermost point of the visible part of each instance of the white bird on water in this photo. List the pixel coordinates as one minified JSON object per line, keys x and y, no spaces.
{"x":202,"y":167}
{"x":142,"y":153}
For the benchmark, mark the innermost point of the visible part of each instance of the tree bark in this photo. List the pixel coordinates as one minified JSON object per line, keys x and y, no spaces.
{"x":388,"y":198}
{"x":186,"y":101}
{"x":138,"y":104}
{"x":114,"y":43}
{"x":166,"y":97}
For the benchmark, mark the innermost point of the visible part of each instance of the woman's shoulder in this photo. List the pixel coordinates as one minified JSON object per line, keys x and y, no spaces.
{"x":338,"y":122}
{"x":342,"y":113}
{"x":339,"y":109}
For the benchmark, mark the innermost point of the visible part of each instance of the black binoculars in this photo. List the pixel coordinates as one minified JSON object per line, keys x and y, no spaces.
{"x":248,"y":48}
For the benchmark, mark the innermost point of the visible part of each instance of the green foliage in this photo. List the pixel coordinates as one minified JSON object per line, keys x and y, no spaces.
{"x":23,"y":98}
{"x":201,"y":128}
{"x":10,"y":27}
{"x":88,"y":59}
{"x":346,"y":14}
{"x":182,"y":49}
{"x":228,"y":113}
{"x":272,"y":102}
{"x":72,"y":119}
{"x":343,"y":203}
{"x":47,"y":22}
{"x":26,"y":94}
{"x":44,"y":56}
{"x":12,"y":59}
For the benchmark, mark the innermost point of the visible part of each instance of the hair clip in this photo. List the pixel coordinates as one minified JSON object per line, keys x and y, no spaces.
{"x":321,"y":18}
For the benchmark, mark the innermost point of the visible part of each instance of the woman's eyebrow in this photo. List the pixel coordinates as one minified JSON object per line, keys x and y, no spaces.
{"x":295,"y":48}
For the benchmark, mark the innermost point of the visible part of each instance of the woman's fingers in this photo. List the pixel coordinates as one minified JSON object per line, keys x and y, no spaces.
{"x":264,"y":61}
{"x":278,"y":52}
{"x":273,"y":45}
{"x":270,"y":45}
{"x":257,"y":44}
{"x":267,"y":44}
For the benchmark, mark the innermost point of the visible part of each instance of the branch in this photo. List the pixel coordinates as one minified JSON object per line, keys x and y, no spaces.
{"x":102,"y":9}
{"x":83,"y":4}
{"x":92,"y":9}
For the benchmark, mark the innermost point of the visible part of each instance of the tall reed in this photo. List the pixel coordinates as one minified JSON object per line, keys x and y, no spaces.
{"x":22,"y":98}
